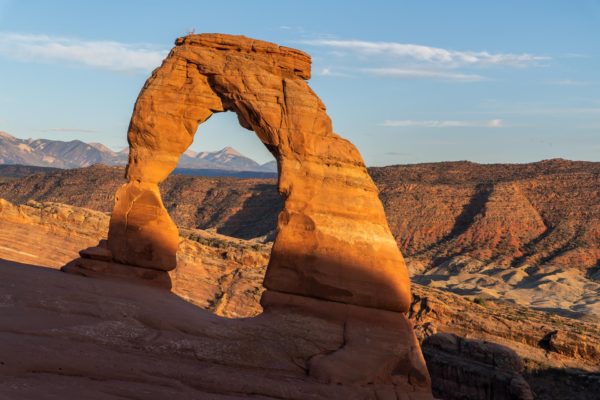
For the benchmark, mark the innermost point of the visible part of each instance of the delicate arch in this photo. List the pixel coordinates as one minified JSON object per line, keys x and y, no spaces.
{"x":332,"y":242}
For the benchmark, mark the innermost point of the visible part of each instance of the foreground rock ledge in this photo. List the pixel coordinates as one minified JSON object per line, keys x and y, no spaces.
{"x":334,"y":258}
{"x":67,"y":336}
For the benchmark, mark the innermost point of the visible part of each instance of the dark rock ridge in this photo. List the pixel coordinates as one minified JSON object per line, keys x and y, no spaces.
{"x":10,"y":171}
{"x":507,"y":214}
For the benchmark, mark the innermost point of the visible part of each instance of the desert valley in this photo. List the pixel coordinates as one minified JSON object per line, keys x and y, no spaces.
{"x":503,"y":258}
{"x":139,"y":264}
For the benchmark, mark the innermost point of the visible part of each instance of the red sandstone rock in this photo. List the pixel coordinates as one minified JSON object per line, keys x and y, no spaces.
{"x":108,"y":269}
{"x":224,"y":275}
{"x":324,"y":248}
{"x":379,"y":346}
{"x":68,"y":337}
{"x":334,"y":259}
{"x":99,"y":252}
{"x":141,"y":232}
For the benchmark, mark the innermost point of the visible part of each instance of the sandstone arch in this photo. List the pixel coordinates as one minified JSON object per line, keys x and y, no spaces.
{"x":333,"y":241}
{"x":335,"y":278}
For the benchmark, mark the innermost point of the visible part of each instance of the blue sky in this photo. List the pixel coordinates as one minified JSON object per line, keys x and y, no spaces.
{"x":406,"y":81}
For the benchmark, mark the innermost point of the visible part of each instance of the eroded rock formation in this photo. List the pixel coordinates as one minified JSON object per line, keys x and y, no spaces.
{"x":224,"y":275}
{"x":333,"y":258}
{"x":326,"y":247}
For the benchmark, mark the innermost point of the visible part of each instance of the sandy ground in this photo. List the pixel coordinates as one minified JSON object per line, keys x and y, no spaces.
{"x":571,"y":293}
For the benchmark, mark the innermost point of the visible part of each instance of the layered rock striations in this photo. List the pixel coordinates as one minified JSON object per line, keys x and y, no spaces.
{"x":436,"y":211}
{"x":470,"y":228}
{"x":474,"y":349}
{"x":319,"y":239}
{"x":332,"y":260}
{"x":509,"y":215}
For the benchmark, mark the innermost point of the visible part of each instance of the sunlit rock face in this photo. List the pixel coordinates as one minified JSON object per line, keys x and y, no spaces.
{"x":333,"y":241}
{"x":334,"y":257}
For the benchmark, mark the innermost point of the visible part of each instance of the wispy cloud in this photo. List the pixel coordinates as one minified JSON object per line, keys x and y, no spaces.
{"x":427,"y":54}
{"x":493,"y":123}
{"x":575,"y":55}
{"x":328,"y":71}
{"x":408,"y":73}
{"x":110,"y":55}
{"x":568,"y":82}
{"x":76,"y":130}
{"x":415,"y":61}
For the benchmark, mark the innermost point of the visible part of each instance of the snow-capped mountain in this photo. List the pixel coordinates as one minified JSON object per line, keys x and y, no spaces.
{"x":227,"y":158}
{"x":54,"y":153}
{"x":77,"y":154}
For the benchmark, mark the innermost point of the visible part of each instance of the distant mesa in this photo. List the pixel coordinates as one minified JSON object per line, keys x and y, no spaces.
{"x":78,"y":154}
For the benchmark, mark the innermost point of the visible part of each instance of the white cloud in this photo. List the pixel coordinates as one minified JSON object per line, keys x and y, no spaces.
{"x":328,"y":71}
{"x":427,"y":54}
{"x":110,"y":55}
{"x":424,"y":74}
{"x":493,"y":123}
{"x":413,"y":61}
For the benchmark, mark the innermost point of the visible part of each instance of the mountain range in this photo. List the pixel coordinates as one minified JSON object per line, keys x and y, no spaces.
{"x":78,"y":154}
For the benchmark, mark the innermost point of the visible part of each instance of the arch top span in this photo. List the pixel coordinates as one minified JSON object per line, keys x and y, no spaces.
{"x":284,"y":60}
{"x":333,"y":241}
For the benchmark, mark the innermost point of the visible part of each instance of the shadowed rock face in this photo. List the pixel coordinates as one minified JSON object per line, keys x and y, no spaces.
{"x":325,"y":248}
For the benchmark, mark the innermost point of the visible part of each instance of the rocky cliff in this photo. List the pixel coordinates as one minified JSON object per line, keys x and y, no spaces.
{"x":507,"y":214}
{"x":526,"y":232}
{"x":475,"y":349}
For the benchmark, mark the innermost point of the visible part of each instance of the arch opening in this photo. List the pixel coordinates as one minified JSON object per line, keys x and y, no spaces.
{"x":222,"y":143}
{"x":229,"y":194}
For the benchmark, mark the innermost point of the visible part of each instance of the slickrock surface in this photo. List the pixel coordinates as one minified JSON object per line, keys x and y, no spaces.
{"x":558,"y":356}
{"x":66,"y":336}
{"x":133,"y":340}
